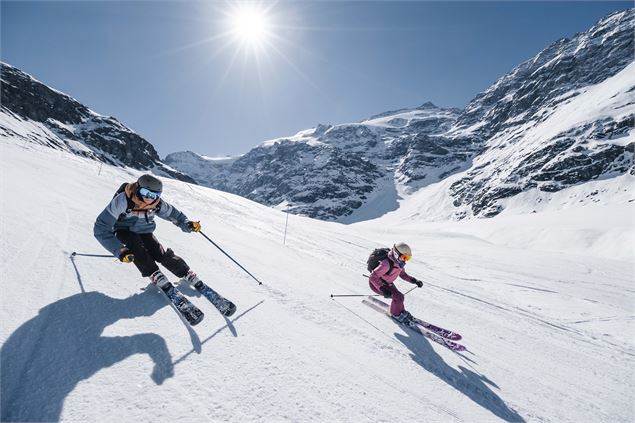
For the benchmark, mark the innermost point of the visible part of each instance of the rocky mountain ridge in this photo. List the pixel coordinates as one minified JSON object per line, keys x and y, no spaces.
{"x":37,"y":113}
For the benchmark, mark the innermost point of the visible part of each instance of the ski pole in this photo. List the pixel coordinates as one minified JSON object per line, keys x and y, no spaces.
{"x":230,"y":257}
{"x":74,"y":253}
{"x":364,"y":295}
{"x":411,"y":289}
{"x":355,"y":295}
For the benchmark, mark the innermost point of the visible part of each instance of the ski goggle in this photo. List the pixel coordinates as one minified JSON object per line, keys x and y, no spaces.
{"x":404,"y":257}
{"x":146,"y":193}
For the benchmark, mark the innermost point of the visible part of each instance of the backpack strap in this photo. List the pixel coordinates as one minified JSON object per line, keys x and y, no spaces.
{"x":391,"y":264}
{"x":130,"y":204}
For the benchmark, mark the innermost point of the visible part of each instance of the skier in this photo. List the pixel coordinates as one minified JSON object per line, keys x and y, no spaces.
{"x":125,"y":228}
{"x":391,"y":265}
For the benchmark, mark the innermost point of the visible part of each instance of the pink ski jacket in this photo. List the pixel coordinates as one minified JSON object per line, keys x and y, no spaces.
{"x":382,"y":275}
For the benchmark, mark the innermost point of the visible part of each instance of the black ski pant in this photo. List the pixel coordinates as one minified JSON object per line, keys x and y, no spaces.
{"x":148,"y":251}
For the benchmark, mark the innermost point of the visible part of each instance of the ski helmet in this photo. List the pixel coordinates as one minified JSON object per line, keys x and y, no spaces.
{"x":401,"y":251}
{"x":150,"y":182}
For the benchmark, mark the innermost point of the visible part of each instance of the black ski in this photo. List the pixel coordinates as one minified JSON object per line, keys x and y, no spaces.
{"x":226,"y":307}
{"x":189,"y":311}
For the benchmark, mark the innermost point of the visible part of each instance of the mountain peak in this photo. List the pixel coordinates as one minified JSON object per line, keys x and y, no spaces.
{"x":427,"y":105}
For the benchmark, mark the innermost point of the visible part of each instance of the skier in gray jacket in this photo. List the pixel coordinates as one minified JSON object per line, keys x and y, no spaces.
{"x":125,"y":228}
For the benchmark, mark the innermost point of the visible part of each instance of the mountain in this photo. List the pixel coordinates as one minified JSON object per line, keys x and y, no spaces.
{"x":329,"y":172}
{"x":36,"y":113}
{"x":562,"y":118}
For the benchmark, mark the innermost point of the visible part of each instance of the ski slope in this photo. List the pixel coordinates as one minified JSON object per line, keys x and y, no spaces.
{"x":549,"y":332}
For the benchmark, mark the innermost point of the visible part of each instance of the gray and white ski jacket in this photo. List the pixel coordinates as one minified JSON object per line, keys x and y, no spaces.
{"x":119,"y":215}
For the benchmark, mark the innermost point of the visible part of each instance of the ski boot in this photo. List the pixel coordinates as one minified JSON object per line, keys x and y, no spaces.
{"x":161,"y":281}
{"x":189,"y":311}
{"x":405,"y":318}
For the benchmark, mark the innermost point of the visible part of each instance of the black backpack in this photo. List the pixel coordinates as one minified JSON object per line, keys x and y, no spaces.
{"x":376,"y":257}
{"x":121,"y":189}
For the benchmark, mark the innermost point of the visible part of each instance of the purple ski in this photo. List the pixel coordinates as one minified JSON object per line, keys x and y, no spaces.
{"x":446,"y":333}
{"x":382,"y":307}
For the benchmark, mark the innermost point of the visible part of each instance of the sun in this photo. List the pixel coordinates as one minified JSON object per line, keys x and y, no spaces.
{"x":250,"y":25}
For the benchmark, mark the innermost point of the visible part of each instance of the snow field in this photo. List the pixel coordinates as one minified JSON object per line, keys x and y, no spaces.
{"x":549,"y":333}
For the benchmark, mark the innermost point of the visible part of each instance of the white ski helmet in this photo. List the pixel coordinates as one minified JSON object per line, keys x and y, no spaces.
{"x":401,"y":249}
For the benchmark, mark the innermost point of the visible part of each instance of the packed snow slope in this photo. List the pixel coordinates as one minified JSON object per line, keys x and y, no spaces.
{"x":549,"y":334}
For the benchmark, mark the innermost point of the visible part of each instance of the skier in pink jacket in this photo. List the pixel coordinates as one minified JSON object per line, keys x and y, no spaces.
{"x":383,"y":276}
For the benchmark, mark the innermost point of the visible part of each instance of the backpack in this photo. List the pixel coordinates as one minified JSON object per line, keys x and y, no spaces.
{"x":376,"y":257}
{"x":121,"y":189}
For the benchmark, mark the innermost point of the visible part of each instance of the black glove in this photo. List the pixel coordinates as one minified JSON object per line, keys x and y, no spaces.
{"x":385,"y":290}
{"x":417,"y":282}
{"x":125,"y":255}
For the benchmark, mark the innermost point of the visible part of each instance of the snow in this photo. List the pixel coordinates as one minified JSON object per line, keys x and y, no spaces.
{"x":545,"y":306}
{"x":23,"y":128}
{"x":605,"y":99}
{"x":383,"y":199}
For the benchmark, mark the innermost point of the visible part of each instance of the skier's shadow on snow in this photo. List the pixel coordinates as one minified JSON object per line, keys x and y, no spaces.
{"x":46,"y":357}
{"x":469,"y":383}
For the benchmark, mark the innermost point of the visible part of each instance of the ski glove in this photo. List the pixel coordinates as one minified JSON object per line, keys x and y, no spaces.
{"x":190,"y":226}
{"x":417,"y":282}
{"x":194,"y":226}
{"x":385,"y":290}
{"x":125,"y":255}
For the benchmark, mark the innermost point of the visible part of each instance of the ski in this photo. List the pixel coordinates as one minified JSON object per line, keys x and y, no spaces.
{"x":446,"y":333}
{"x":224,"y":306}
{"x":189,"y":311}
{"x":383,"y":308}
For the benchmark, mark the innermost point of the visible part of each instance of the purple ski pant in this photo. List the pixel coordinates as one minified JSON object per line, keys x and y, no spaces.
{"x":396,"y":306}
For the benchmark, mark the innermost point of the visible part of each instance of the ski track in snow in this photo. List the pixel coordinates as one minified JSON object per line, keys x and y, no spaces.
{"x":547,"y":333}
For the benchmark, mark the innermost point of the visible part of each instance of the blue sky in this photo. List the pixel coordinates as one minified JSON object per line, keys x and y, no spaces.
{"x":163,"y":68}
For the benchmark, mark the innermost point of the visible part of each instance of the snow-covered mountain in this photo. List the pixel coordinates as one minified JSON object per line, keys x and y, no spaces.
{"x":329,"y":171}
{"x":36,"y":113}
{"x":562,"y":118}
{"x":544,"y":302}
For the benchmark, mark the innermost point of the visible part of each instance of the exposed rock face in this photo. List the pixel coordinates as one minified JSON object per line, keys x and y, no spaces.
{"x":553,"y":75}
{"x":562,"y":118}
{"x":318,"y":180}
{"x":328,"y":172}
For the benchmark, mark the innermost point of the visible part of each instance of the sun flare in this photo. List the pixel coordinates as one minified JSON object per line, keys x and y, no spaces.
{"x":250,"y":25}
